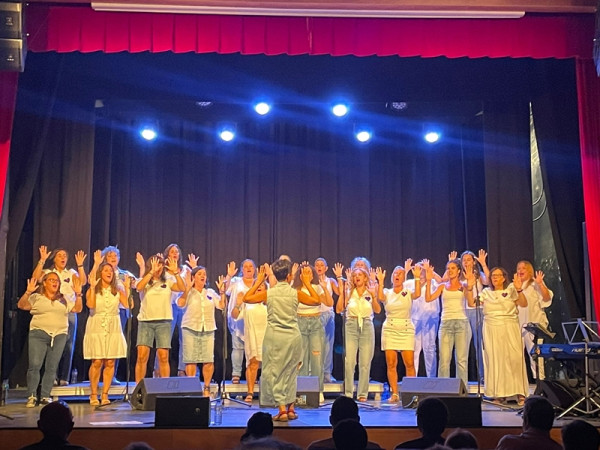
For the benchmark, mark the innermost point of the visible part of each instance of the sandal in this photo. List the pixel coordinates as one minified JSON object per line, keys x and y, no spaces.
{"x":249,"y":397}
{"x":206,"y":392}
{"x":235,"y":379}
{"x":292,"y":415}
{"x":395,"y":398}
{"x":104,"y":399}
{"x":281,"y":417}
{"x":521,"y":400}
{"x":362,"y":399}
{"x":94,"y":400}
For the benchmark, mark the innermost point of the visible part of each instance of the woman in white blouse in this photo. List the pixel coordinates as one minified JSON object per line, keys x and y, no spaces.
{"x":198,"y":323}
{"x":104,"y":341}
{"x":358,"y":303}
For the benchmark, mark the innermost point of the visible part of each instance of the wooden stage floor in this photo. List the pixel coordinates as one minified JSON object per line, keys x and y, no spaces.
{"x":114,"y":426}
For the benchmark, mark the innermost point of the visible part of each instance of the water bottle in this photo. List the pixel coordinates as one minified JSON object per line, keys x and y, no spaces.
{"x":217,"y":412}
{"x":4,"y":396}
{"x":74,"y":376}
{"x":385,"y":396}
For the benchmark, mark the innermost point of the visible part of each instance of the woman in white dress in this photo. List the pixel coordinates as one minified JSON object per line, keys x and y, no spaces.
{"x":506,"y":374}
{"x":398,"y":331}
{"x":254,"y":316}
{"x":104,"y":341}
{"x":198,"y":323}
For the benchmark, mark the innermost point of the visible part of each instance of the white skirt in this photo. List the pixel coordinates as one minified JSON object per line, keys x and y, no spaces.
{"x":397,"y":334}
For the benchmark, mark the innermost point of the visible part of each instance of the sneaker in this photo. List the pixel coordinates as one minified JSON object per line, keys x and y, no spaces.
{"x":31,"y":401}
{"x":46,"y":401}
{"x":115,"y":381}
{"x":63,"y":383}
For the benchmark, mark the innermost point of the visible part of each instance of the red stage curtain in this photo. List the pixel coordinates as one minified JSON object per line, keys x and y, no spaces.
{"x":68,"y":29}
{"x":588,"y":92}
{"x":8,"y":96}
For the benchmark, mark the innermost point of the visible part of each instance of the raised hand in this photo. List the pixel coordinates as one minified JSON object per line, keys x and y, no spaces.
{"x":539,"y":277}
{"x":408,"y":266}
{"x":294,"y":269}
{"x":77,"y":285}
{"x":126,"y":283}
{"x":93,"y":281}
{"x":517,"y":282}
{"x":221,"y":284}
{"x":372,"y":274}
{"x":192,"y":261}
{"x":425,"y":263}
{"x":429,"y":273}
{"x":470,"y":277}
{"x":139,"y":259}
{"x":338,"y":270}
{"x":380,"y":274}
{"x":171,"y":265}
{"x":262,"y":272}
{"x":231,"y":269}
{"x":80,"y":257}
{"x":32,"y":285}
{"x":417,"y":271}
{"x":154,"y":265}
{"x":349,"y":274}
{"x":187,"y":278}
{"x":97,"y":258}
{"x":306,"y":274}
{"x":44,"y":253}
{"x":268,"y":269}
{"x":481,"y":257}
{"x":452,"y":255}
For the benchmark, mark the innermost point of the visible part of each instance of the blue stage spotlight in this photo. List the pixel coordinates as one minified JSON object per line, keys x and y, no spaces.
{"x":339,"y":110}
{"x":148,"y":133}
{"x":262,"y":108}
{"x":363,"y":135}
{"x":227,"y":133}
{"x":432,"y":136}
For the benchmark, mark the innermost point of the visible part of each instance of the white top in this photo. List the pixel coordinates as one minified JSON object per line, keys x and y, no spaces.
{"x":236,"y":286}
{"x":323,"y":307}
{"x":398,"y":305}
{"x":533,"y":312}
{"x":156,"y":300}
{"x":51,"y":316}
{"x":360,"y":306}
{"x":200,"y":310}
{"x":66,"y":281}
{"x":176,"y":294}
{"x":421,"y":310}
{"x":499,"y":305}
{"x":309,"y":310}
{"x":453,"y":305}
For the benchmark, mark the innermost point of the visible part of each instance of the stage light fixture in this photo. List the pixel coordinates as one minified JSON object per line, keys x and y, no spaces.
{"x":363,"y":136}
{"x":227,"y":133}
{"x":149,"y":133}
{"x":262,"y":108}
{"x":432,"y":136}
{"x":339,"y":110}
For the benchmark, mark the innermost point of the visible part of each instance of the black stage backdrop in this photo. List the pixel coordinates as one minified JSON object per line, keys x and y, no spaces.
{"x":295,"y":182}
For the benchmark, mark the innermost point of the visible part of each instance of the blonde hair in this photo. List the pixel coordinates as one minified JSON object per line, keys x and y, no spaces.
{"x":528,"y":267}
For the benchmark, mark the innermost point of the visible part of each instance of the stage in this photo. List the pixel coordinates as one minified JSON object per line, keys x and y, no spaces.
{"x":114,"y":426}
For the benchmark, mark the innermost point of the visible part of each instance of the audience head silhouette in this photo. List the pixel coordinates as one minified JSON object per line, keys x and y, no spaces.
{"x":538,"y":413}
{"x":460,"y":438}
{"x":580,"y":435}
{"x":343,"y":408}
{"x":432,"y":416}
{"x":349,"y":434}
{"x":259,"y":425}
{"x":56,"y":420}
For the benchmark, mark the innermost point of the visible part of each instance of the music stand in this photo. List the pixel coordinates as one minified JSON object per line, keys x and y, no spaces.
{"x":578,"y":333}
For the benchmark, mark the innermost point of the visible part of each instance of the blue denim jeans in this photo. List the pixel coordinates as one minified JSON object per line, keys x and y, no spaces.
{"x":361,"y":341}
{"x":328,"y":324}
{"x":313,"y":340}
{"x":43,"y":347}
{"x":477,"y":331}
{"x":66,"y":360}
{"x":454,"y":334}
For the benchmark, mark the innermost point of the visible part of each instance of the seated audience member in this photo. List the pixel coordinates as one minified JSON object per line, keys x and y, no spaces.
{"x":56,"y":423}
{"x":139,"y":445}
{"x":538,"y":417}
{"x":460,"y":438}
{"x":267,"y":443}
{"x":342,"y":408}
{"x":432,"y":417}
{"x":349,"y":434}
{"x":580,"y":435}
{"x":260,"y":425}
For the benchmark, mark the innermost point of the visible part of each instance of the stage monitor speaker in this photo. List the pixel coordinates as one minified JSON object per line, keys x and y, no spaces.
{"x":418,"y":388}
{"x":11,"y":20}
{"x":182,"y":412}
{"x":463,"y":411}
{"x":145,"y":393}
{"x":12,"y":55}
{"x":13,"y":46}
{"x":307,"y":392}
{"x":559,"y":393}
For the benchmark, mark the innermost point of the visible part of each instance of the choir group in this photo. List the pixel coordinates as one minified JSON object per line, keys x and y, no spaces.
{"x":281,"y":318}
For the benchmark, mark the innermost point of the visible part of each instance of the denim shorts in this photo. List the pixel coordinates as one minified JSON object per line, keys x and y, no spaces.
{"x":151,"y":330}
{"x":198,"y":346}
